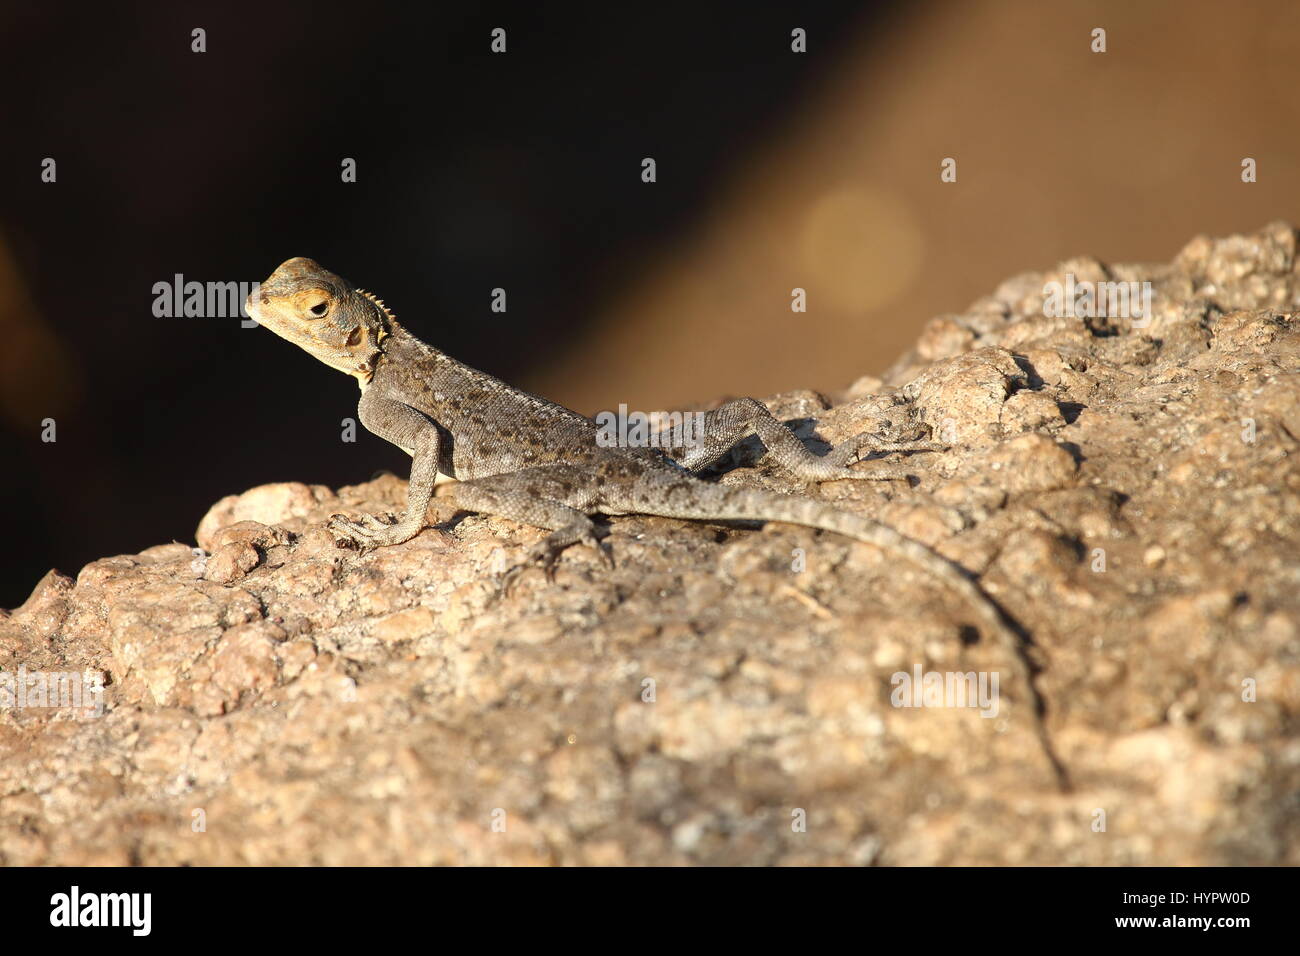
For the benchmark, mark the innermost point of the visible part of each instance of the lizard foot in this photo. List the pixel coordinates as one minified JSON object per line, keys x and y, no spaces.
{"x":546,"y":554}
{"x":369,"y":531}
{"x":853,"y":451}
{"x":856,"y":448}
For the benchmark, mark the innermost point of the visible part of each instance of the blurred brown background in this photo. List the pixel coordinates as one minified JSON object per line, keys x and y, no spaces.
{"x":522,"y":171}
{"x":1061,"y":152}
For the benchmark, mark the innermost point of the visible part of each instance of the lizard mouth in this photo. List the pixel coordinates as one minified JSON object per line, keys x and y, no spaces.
{"x":252,"y":307}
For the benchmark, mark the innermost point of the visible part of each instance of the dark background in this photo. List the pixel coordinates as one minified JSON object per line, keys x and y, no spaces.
{"x":522,"y":171}
{"x":475,"y":171}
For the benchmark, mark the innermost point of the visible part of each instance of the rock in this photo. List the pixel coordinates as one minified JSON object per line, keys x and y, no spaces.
{"x":1129,"y":492}
{"x":267,"y":505}
{"x":943,"y":338}
{"x":1027,"y":463}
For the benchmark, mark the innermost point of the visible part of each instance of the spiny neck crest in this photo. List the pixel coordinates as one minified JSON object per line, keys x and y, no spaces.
{"x":388,"y":322}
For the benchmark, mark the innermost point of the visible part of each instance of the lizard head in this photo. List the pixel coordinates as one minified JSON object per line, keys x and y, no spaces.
{"x":316,"y":310}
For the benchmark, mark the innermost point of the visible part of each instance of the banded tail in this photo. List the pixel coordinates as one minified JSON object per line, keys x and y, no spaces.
{"x":722,"y":502}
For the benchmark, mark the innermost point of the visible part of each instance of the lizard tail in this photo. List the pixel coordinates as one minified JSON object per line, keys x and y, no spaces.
{"x":731,"y":503}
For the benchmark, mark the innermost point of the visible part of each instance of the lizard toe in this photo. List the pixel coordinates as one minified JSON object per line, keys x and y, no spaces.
{"x":377,"y":522}
{"x":606,"y":557}
{"x":511,"y":579}
{"x":352,"y":534}
{"x":541,"y":557}
{"x":370,"y":532}
{"x":343,"y":537}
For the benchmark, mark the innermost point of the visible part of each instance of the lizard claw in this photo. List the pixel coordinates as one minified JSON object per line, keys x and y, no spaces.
{"x":342,"y":531}
{"x":377,"y":522}
{"x":852,"y":458}
{"x":593,"y":542}
{"x":545,"y":555}
{"x":606,"y":557}
{"x":536,"y":560}
{"x":368,"y":532}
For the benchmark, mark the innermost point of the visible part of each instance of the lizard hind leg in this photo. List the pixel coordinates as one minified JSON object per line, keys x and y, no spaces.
{"x":742,"y":417}
{"x":546,"y":553}
{"x":548,"y":496}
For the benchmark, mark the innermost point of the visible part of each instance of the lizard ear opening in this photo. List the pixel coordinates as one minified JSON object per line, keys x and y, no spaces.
{"x":354,"y":336}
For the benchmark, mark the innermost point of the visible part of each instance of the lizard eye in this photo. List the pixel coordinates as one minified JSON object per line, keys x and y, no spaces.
{"x":319,"y":309}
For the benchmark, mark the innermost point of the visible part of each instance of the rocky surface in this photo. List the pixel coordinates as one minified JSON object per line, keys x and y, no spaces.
{"x":1130,"y":494}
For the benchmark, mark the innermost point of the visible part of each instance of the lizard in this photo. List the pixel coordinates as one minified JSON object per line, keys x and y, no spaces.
{"x":520,"y":456}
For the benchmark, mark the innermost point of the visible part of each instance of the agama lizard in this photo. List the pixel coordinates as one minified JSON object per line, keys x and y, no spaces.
{"x":520,"y":456}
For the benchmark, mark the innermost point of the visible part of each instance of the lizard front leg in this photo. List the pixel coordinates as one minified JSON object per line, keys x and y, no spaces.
{"x":413,"y":431}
